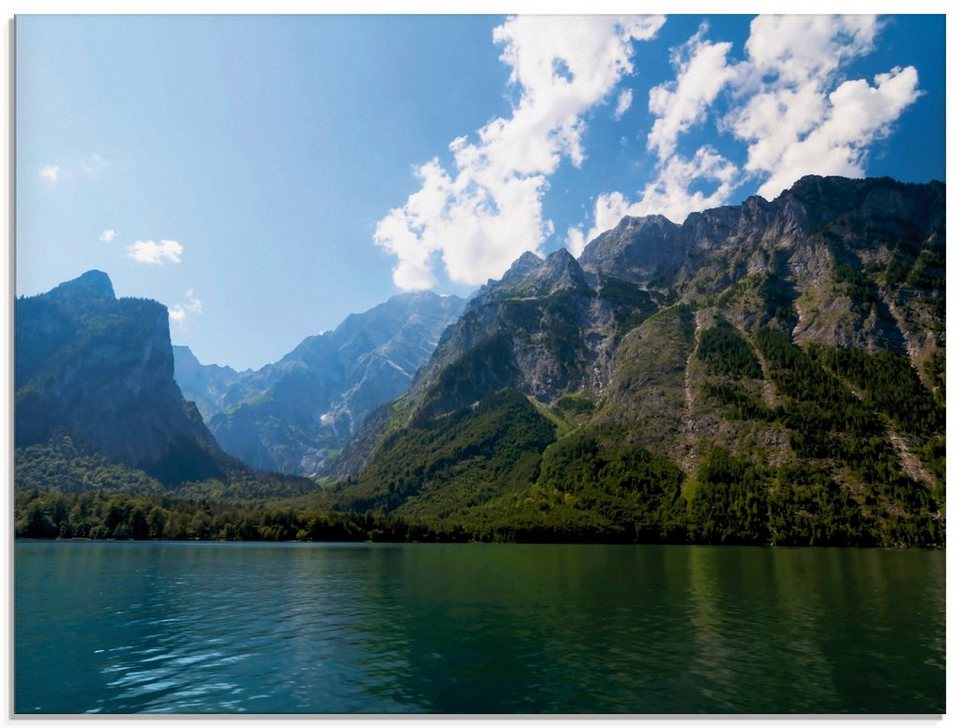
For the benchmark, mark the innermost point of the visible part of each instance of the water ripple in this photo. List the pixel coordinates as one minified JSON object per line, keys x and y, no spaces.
{"x":208,"y":628}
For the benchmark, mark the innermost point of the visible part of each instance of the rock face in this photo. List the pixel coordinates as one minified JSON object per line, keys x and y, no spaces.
{"x":291,"y":416}
{"x":204,"y":384}
{"x":100,"y":370}
{"x":720,"y":335}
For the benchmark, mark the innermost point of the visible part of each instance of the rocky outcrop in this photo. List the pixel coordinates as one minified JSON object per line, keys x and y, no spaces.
{"x":100,"y":370}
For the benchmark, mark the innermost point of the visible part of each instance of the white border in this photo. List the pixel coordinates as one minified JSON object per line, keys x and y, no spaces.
{"x":195,"y":7}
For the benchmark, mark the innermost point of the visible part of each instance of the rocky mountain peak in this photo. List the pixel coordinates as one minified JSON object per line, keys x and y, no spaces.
{"x":92,"y":284}
{"x":100,"y":370}
{"x":638,"y":249}
{"x":523,"y":266}
{"x":561,"y":272}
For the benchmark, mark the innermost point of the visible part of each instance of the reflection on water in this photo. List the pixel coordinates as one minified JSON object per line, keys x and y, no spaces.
{"x":304,"y":628}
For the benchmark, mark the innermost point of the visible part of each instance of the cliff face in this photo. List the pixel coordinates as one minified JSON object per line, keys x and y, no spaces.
{"x":798,"y":333}
{"x":100,"y":370}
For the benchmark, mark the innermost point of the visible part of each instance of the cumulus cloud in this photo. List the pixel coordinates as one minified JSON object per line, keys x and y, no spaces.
{"x":788,"y":102}
{"x":796,"y":119}
{"x":702,"y":72}
{"x":153,"y":253}
{"x":177,"y":313}
{"x":797,"y":48}
{"x":576,"y":240}
{"x":857,"y":115}
{"x":51,"y":173}
{"x":483,"y":213}
{"x":108,"y":235}
{"x":669,"y":195}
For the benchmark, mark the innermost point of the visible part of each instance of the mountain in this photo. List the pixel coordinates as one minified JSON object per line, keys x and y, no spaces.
{"x":293,"y":415}
{"x":768,"y":372}
{"x":204,"y":384}
{"x":99,"y":370}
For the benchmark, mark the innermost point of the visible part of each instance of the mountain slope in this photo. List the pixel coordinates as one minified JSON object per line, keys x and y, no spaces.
{"x":100,"y":370}
{"x":204,"y":384}
{"x":772,"y":356}
{"x":290,"y":416}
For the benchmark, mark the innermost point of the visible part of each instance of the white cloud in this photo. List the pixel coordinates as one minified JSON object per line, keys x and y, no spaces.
{"x":177,"y":314}
{"x":858,"y":114}
{"x":577,"y":240}
{"x":148,"y":251}
{"x":194,"y":305}
{"x":702,"y":72}
{"x":108,"y":235}
{"x":51,"y":174}
{"x":671,"y":194}
{"x":788,"y":102}
{"x":92,"y":166}
{"x":795,"y":119}
{"x":797,"y":48}
{"x":481,"y":215}
{"x":624,"y":100}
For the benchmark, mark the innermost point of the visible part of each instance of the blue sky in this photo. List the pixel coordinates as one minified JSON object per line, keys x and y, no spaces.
{"x":265,"y":176}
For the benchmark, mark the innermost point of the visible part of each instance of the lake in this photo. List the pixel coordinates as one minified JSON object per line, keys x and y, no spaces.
{"x":470,"y":628}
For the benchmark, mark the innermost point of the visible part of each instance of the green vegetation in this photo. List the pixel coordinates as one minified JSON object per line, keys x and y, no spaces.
{"x":484,"y":448}
{"x":827,"y":420}
{"x":630,"y":487}
{"x":122,"y":516}
{"x":495,"y":471}
{"x":743,"y":405}
{"x":935,"y":367}
{"x":631,"y":305}
{"x":726,"y":353}
{"x":774,"y":296}
{"x":574,"y":406}
{"x":858,"y":286}
{"x":60,"y":465}
{"x":736,"y":501}
{"x":729,"y":504}
{"x":892,"y":387}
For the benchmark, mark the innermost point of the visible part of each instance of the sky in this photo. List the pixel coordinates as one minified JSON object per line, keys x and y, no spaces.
{"x":265,"y":176}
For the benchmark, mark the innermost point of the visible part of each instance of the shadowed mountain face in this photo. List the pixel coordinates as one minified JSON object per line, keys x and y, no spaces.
{"x":100,"y":370}
{"x":291,"y":416}
{"x":767,"y":372}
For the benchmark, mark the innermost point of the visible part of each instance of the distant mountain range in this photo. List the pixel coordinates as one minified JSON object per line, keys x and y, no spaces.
{"x":294,"y":415}
{"x":772,"y":372}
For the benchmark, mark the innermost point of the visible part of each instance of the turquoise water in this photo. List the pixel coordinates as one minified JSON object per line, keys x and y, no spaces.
{"x":464,"y":628}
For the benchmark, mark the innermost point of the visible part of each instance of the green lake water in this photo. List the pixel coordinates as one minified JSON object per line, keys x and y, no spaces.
{"x":465,"y":628}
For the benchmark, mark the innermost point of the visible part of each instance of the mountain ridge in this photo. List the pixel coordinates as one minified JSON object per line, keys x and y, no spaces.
{"x":722,"y":344}
{"x":290,"y":415}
